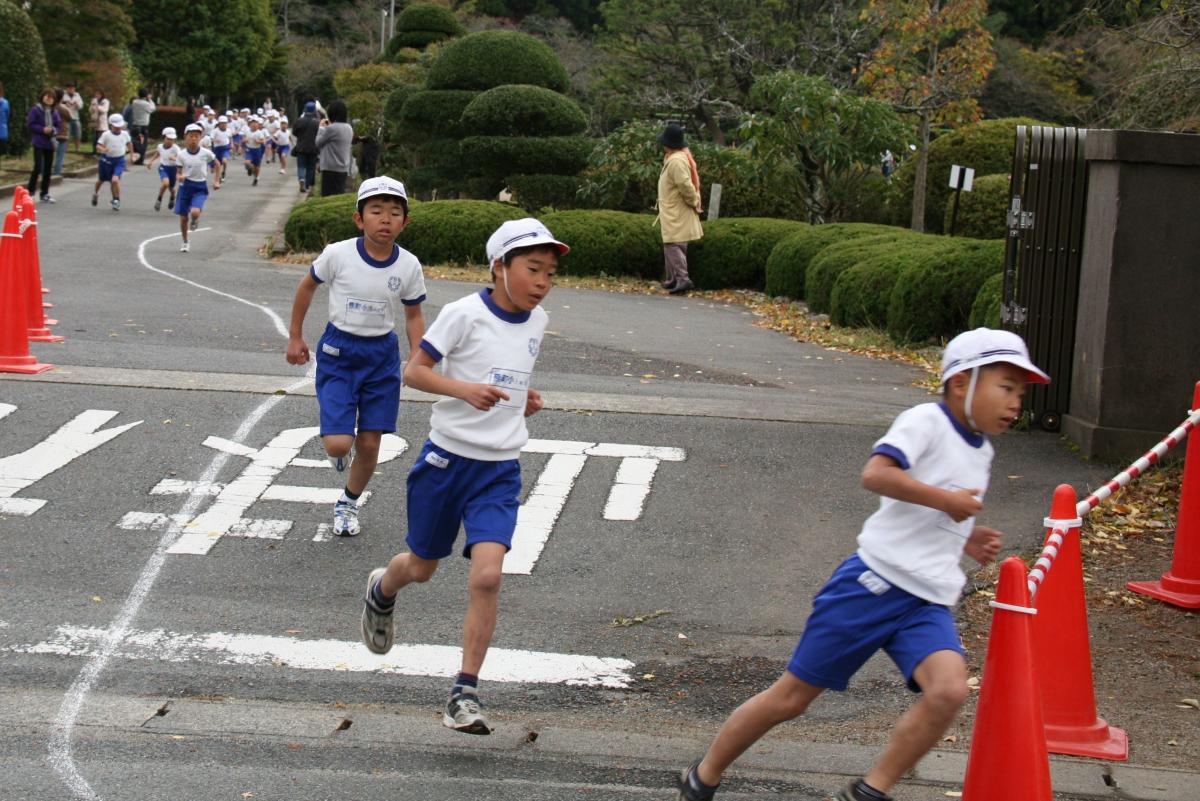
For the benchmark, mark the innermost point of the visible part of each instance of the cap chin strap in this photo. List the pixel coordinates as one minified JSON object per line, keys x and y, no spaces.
{"x":971,"y":399}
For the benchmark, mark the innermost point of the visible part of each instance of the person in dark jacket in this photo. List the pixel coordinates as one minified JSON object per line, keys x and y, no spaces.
{"x":305,"y":151}
{"x":43,"y":120}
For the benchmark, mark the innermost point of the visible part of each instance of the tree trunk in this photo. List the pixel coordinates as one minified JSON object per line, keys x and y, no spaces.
{"x":920,"y":180}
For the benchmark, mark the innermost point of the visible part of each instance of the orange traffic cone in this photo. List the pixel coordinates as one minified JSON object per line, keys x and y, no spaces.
{"x":1181,"y":584}
{"x":1008,"y":759}
{"x":28,"y":260}
{"x":1062,"y":651}
{"x":14,"y":338}
{"x":21,"y":197}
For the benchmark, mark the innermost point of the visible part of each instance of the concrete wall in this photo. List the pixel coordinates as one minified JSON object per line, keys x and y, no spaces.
{"x":1137,"y":339}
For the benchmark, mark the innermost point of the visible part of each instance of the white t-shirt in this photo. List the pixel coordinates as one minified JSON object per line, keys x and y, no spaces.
{"x":477,"y":341}
{"x":168,"y":156}
{"x":283,"y":138}
{"x":195,"y":165}
{"x":220,"y":138}
{"x":366,"y":295}
{"x":114,"y":144}
{"x":916,"y":548}
{"x":255,"y":139}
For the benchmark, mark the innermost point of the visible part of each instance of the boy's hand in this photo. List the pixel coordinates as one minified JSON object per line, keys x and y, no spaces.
{"x":963,"y":503}
{"x":297,"y":351}
{"x":983,"y":545}
{"x":483,"y":396}
{"x":533,"y":402}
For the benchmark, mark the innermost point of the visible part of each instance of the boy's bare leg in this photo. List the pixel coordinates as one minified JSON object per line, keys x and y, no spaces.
{"x":943,"y":680}
{"x":337,"y":445}
{"x":483,"y":593}
{"x":115,"y":186}
{"x":183,"y":226}
{"x":787,"y":698}
{"x":404,"y":569}
{"x":366,"y":458}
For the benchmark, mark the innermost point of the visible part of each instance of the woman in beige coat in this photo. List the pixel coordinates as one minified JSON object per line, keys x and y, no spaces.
{"x":678,"y":207}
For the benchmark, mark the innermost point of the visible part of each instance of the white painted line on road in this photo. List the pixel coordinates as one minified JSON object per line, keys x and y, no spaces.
{"x":6,"y":409}
{"x":173,"y":486}
{"x":536,"y":518}
{"x":502,"y":665}
{"x":324,"y":533}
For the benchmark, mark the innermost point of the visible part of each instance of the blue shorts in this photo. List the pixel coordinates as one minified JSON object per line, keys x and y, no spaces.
{"x":237,"y":139}
{"x":282,"y":149}
{"x":254,"y":155}
{"x":850,"y":622}
{"x":446,"y":490}
{"x":111,"y":167}
{"x":192,"y":195}
{"x":221,"y":152}
{"x":168,"y":174}
{"x":358,"y":381}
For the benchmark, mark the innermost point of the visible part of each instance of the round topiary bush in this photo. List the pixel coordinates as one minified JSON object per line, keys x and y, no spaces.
{"x":503,"y":155}
{"x":862,"y":293}
{"x":985,"y":311}
{"x":433,"y":114}
{"x":494,"y":58}
{"x":789,"y":260}
{"x":986,"y":147}
{"x":982,"y":212}
{"x":611,"y":242}
{"x":534,"y":192}
{"x":394,"y":105}
{"x":318,"y":221}
{"x":826,"y":266}
{"x":22,"y":69}
{"x":454,"y":231}
{"x":421,"y":25}
{"x":519,"y":110}
{"x":933,"y":299}
{"x":734,"y":251}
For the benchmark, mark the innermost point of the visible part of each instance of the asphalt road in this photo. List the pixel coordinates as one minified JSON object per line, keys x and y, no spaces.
{"x":131,"y":670}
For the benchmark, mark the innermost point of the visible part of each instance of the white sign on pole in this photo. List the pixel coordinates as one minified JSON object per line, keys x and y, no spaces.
{"x":957,"y":173}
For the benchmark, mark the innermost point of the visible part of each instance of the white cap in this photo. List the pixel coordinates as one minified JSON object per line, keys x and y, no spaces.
{"x":283,"y":118}
{"x":522,"y":233}
{"x":382,"y":185}
{"x":116,"y":121}
{"x":222,"y":119}
{"x":258,"y":110}
{"x":244,"y":111}
{"x":982,"y":346}
{"x":169,"y":133}
{"x":194,"y":127}
{"x":207,"y":107}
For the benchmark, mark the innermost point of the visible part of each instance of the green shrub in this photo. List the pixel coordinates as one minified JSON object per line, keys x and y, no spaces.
{"x":826,"y":266}
{"x":421,"y":25}
{"x":503,"y":155}
{"x":518,"y":110}
{"x":494,"y":58}
{"x":393,"y":106}
{"x":318,"y":221}
{"x":454,"y":231}
{"x":982,"y":212}
{"x":862,"y":293}
{"x":611,"y":242}
{"x":434,"y":114}
{"x":986,"y":147}
{"x":534,"y":192}
{"x":734,"y":251}
{"x":863,"y":199}
{"x":933,"y":299}
{"x":789,"y":261}
{"x":985,"y":311}
{"x":22,"y":69}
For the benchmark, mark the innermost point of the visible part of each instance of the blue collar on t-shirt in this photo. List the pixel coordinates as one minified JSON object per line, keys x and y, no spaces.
{"x":388,"y":262}
{"x":970,"y":437}
{"x":507,"y":316}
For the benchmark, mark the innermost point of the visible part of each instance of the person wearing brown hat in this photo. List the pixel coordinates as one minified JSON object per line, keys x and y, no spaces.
{"x":678,"y":207}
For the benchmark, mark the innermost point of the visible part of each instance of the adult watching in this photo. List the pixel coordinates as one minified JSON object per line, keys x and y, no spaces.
{"x":42,"y":122}
{"x":74,"y":104}
{"x":333,"y":144}
{"x":140,"y":110}
{"x":305,"y":151}
{"x":678,"y":207}
{"x":98,"y":116}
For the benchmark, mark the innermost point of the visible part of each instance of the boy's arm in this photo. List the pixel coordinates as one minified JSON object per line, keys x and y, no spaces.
{"x":983,"y":545}
{"x":533,"y":402}
{"x":414,"y":327}
{"x":884,"y":476}
{"x":297,"y":348}
{"x":419,"y":374}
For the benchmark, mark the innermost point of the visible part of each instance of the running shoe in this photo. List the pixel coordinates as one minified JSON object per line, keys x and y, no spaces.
{"x":158,"y":204}
{"x":851,"y":792}
{"x":341,"y":464}
{"x":689,"y":793}
{"x":48,"y":199}
{"x":95,"y":199}
{"x":345,"y":519}
{"x":255,"y":183}
{"x":378,"y":633}
{"x":185,"y":247}
{"x":463,"y":713}
{"x":283,"y":172}
{"x":116,"y":204}
{"x":195,"y":223}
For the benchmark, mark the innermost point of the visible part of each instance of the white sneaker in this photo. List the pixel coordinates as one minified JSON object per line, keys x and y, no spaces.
{"x":341,"y":464}
{"x":283,"y":172}
{"x":463,"y":713}
{"x":185,"y":247}
{"x":345,"y":519}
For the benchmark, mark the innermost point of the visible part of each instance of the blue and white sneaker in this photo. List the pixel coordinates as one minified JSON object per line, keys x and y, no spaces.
{"x":464,"y":713}
{"x":345,"y":518}
{"x":341,"y":464}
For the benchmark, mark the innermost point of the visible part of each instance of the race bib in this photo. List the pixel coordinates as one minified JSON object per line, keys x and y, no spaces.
{"x":514,"y":382}
{"x":366,"y":312}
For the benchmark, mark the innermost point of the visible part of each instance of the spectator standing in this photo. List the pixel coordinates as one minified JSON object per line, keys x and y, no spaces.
{"x":140,"y":109}
{"x":74,"y":104}
{"x":305,"y":151}
{"x":5,"y":113}
{"x":678,"y":207}
{"x":368,"y":155}
{"x":98,"y":116}
{"x":62,"y":131}
{"x":42,"y":121}
{"x":333,"y":145}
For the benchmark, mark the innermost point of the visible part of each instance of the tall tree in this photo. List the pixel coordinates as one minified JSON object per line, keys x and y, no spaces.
{"x":211,"y":47}
{"x":77,"y":31}
{"x":932,"y":62}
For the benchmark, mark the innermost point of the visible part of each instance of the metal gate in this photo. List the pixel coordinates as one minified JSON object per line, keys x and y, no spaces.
{"x":1047,"y":191}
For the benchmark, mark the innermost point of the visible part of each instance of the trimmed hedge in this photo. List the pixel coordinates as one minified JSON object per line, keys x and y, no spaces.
{"x":734,"y":251}
{"x":862,"y":293}
{"x":826,"y":266}
{"x":982,"y":212}
{"x":22,"y":70}
{"x":434,"y":114}
{"x":320,"y":220}
{"x":789,"y":260}
{"x":494,"y":58}
{"x":985,"y":311}
{"x":556,"y":155}
{"x":933,"y":299}
{"x":611,"y":242}
{"x":534,"y":192}
{"x":421,"y":25}
{"x":519,"y":110}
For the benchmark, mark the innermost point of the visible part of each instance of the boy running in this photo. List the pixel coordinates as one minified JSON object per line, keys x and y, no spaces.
{"x":167,"y":155}
{"x":221,"y":137}
{"x":931,"y":469}
{"x":255,"y":140}
{"x":468,"y":473}
{"x":193,"y":179}
{"x":358,"y":357}
{"x":283,"y":143}
{"x":114,"y":145}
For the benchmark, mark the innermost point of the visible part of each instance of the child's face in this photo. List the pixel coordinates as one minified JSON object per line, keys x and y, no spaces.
{"x":382,"y":219}
{"x":192,"y":139}
{"x":998,"y":394}
{"x":169,"y":141}
{"x":529,"y":278}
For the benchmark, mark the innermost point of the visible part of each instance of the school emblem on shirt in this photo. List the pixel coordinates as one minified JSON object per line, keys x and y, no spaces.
{"x":534,"y":345}
{"x":394,"y":283}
